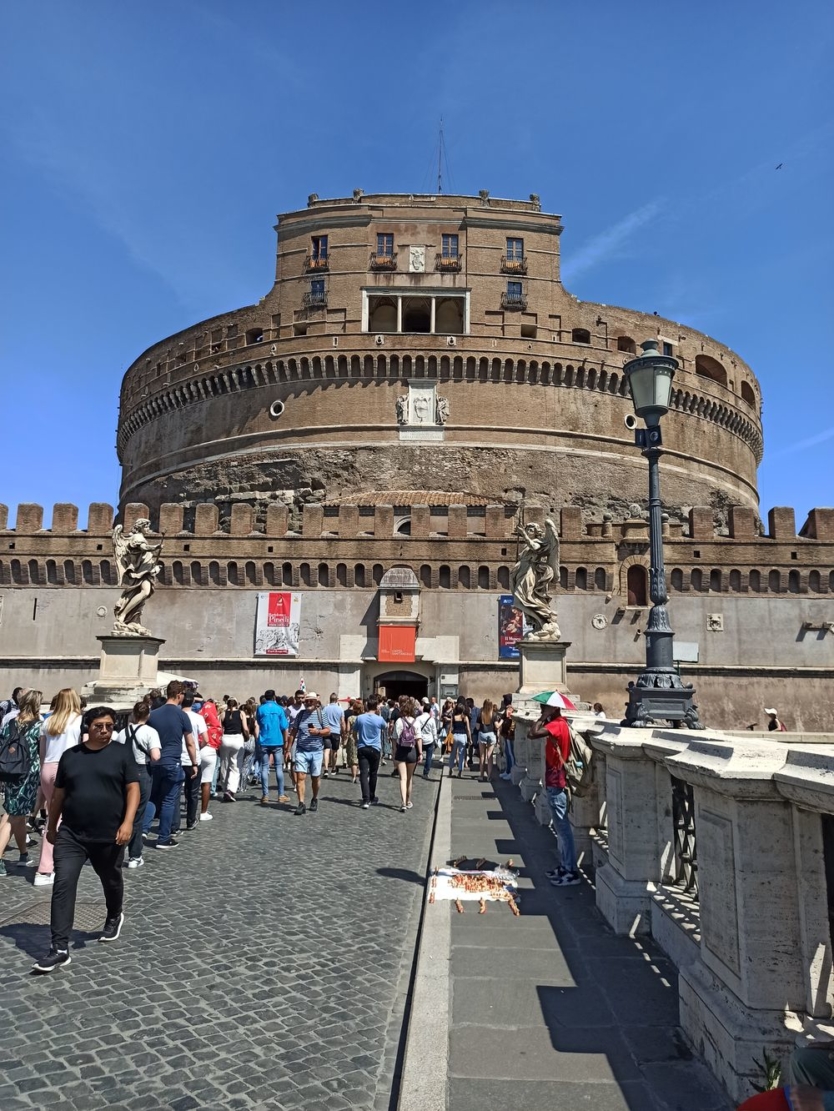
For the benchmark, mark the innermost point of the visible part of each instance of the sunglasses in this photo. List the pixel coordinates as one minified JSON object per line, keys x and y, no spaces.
{"x":103,"y":725}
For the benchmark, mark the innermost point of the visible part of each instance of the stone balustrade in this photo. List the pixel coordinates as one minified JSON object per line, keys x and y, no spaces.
{"x":718,"y":847}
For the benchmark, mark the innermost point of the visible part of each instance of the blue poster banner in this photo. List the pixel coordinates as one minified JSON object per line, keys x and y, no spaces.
{"x":510,"y":627}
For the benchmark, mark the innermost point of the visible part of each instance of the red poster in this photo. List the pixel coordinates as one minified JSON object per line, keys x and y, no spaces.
{"x":397,"y":644}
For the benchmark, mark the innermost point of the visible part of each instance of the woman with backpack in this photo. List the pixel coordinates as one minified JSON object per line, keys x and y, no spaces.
{"x":146,"y":746}
{"x":235,"y":735}
{"x":487,"y":739}
{"x":407,"y":749}
{"x":20,"y":773}
{"x":60,"y":731}
{"x":461,"y":737}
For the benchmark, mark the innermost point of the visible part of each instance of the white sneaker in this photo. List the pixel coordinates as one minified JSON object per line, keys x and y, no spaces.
{"x":136,"y":862}
{"x":44,"y":879}
{"x":409,"y":805}
{"x":206,"y":817}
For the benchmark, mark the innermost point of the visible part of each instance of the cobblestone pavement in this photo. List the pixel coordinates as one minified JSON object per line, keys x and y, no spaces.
{"x":263,"y":964}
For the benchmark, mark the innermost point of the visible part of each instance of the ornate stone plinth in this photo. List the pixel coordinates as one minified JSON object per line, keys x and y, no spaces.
{"x":542,"y":666}
{"x":128,"y":670}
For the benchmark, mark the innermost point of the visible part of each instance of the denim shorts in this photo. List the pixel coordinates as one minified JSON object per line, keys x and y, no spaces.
{"x":308,"y":763}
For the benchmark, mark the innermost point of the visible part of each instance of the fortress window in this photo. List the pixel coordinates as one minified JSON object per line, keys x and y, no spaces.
{"x":318,"y":248}
{"x":580,"y":335}
{"x":449,"y":246}
{"x":255,"y":335}
{"x":515,"y":291}
{"x":626,"y":343}
{"x":708,"y":367}
{"x":748,"y":395}
{"x":385,"y":244}
{"x":636,"y":585}
{"x":667,"y":348}
{"x":515,"y":250}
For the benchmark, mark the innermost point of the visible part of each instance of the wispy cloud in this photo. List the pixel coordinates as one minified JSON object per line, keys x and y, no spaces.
{"x":803,"y":445}
{"x":610,"y":241}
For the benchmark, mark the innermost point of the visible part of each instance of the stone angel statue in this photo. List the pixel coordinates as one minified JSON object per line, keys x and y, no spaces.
{"x":139,"y":567}
{"x":536,"y":569}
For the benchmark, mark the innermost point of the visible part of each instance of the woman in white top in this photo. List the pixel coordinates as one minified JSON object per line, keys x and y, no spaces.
{"x":146,"y":745}
{"x":60,"y":731}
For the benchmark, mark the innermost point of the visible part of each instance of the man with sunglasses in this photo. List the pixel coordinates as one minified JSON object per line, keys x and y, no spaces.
{"x":95,"y":799}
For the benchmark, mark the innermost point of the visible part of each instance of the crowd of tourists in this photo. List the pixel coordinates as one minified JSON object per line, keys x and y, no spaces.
{"x":92,"y":782}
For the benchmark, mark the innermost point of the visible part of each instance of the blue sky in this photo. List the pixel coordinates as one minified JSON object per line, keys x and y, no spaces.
{"x":148,"y":146}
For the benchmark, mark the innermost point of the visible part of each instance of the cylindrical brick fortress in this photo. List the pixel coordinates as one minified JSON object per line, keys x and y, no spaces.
{"x":386,"y":307}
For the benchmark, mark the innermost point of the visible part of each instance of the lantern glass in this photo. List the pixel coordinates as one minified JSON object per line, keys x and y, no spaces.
{"x":650,"y":382}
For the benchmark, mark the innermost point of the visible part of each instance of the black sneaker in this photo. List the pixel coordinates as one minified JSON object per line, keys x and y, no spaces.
{"x":172,"y":844}
{"x":190,"y":826}
{"x":300,"y":809}
{"x":55,"y":958}
{"x":374,"y":801}
{"x":314,"y":805}
{"x":112,"y":928}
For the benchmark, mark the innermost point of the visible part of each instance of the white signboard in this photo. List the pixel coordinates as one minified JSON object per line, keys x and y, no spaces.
{"x":277,"y":624}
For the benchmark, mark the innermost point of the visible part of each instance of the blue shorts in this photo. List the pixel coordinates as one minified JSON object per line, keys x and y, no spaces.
{"x":308,"y":763}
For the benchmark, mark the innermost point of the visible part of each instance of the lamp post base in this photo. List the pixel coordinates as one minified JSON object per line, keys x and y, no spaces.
{"x":661,"y":696}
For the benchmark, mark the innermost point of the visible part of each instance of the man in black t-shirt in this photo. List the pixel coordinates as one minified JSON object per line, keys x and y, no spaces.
{"x":95,"y":799}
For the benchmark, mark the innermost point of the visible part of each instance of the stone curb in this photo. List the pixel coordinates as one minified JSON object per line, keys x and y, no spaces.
{"x":424,"y":1082}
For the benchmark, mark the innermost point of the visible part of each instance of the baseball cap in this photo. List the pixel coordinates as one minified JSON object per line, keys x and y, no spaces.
{"x":426,"y":702}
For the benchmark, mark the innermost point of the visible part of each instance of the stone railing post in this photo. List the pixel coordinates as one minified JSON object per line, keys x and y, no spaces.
{"x":742,"y":992}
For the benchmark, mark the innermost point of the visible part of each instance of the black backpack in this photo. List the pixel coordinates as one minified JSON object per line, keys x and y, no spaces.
{"x":15,"y":757}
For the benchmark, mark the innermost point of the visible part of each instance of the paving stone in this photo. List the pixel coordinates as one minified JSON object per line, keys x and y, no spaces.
{"x":260,"y":1017}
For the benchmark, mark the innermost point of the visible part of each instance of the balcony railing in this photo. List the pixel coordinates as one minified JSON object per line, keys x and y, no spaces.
{"x":383,"y":262}
{"x":513,"y":301}
{"x":312,"y":262}
{"x":447,"y":263}
{"x":513,"y":265}
{"x":315,"y":300}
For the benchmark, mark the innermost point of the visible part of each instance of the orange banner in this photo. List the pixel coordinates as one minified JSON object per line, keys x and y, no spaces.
{"x":397,"y":644}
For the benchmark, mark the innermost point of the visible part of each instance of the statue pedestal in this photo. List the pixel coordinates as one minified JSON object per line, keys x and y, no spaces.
{"x":127,"y":671}
{"x":542,"y":666}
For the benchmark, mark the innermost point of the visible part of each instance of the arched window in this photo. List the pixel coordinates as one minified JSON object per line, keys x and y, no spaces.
{"x":636,"y":585}
{"x":774,"y":582}
{"x":626,"y":343}
{"x":177,"y":572}
{"x":708,"y":367}
{"x":600,"y":578}
{"x":269,"y":574}
{"x":69,"y":572}
{"x":696,"y":579}
{"x":677,"y":578}
{"x":251,"y":572}
{"x":463,"y":577}
{"x":404,"y":527}
{"x":581,"y":578}
{"x":214,"y":573}
{"x":341,"y":574}
{"x":483,"y":578}
{"x":735,"y":580}
{"x":359,"y":575}
{"x":748,"y":395}
{"x":232,"y":574}
{"x":286,"y":574}
{"x":831,"y":581}
{"x":814,"y":582}
{"x":304,"y":572}
{"x":52,"y":572}
{"x":377,"y":573}
{"x":18,"y":576}
{"x":196,"y":573}
{"x":793,"y":582}
{"x":580,"y":335}
{"x":504,"y":578}
{"x":755,"y":581}
{"x":86,"y":570}
{"x":34,"y":571}
{"x":445,"y":577}
{"x":324,"y":574}
{"x":425,"y":575}
{"x":563,"y":578}
{"x":715,"y":580}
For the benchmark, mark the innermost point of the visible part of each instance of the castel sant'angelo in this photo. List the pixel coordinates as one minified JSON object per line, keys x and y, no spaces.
{"x":366,"y":436}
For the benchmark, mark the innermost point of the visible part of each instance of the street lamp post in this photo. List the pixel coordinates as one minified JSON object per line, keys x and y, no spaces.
{"x":659,"y":693}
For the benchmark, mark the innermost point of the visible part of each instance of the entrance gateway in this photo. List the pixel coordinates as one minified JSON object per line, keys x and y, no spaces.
{"x":396,"y":683}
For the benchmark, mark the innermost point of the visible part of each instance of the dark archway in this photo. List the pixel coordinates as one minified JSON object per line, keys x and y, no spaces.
{"x":636,"y":585}
{"x":396,"y":683}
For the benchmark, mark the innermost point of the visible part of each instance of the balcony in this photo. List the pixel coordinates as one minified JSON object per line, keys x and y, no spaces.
{"x":315,"y":300}
{"x":447,"y":263}
{"x":513,"y":301}
{"x":383,"y":262}
{"x":513,"y":265}
{"x":311,"y":262}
